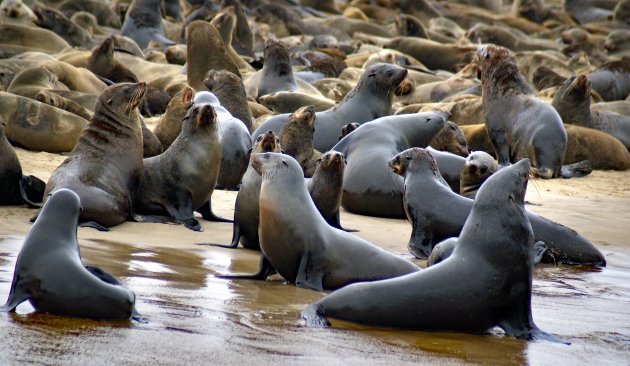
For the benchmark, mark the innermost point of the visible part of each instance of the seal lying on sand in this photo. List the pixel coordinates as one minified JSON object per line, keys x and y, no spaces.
{"x":436,"y":213}
{"x":487,"y":282}
{"x":479,"y":167}
{"x":104,"y":167}
{"x":296,"y":241}
{"x":371,"y":98}
{"x":50,"y":275}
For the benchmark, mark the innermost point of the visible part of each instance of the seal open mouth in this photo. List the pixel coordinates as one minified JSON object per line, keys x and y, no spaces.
{"x":396,"y":165}
{"x":269,"y":142}
{"x":206,"y":115}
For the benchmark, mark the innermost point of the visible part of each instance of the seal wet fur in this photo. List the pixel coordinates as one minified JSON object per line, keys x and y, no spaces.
{"x":298,"y":243}
{"x":50,"y":275}
{"x":487,"y":282}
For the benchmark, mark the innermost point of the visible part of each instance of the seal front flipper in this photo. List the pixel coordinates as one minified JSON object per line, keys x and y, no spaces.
{"x":93,"y":225}
{"x":307,"y":276}
{"x":421,"y":242}
{"x":206,"y":212}
{"x":313,"y":316}
{"x":499,"y":139}
{"x":265,"y":270}
{"x":102,"y":275}
{"x":32,"y":190}
{"x":181,"y":210}
{"x":539,"y":250}
{"x":579,"y":169}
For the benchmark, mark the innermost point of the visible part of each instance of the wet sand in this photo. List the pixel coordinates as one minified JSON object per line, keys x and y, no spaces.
{"x":194,"y":317}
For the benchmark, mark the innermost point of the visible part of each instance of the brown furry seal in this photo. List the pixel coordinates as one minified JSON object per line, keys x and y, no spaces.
{"x":230,"y":91}
{"x":76,"y":78}
{"x":105,"y":166}
{"x":573,"y":102}
{"x":296,"y":139}
{"x":612,"y":80}
{"x":519,"y":124}
{"x":30,"y":81}
{"x":38,"y":126}
{"x":60,"y":102}
{"x":182,"y":179}
{"x":151,"y":145}
{"x":102,"y":63}
{"x":479,"y":166}
{"x":434,"y":55}
{"x":326,"y":186}
{"x":60,"y":24}
{"x":450,"y":139}
{"x":277,"y":73}
{"x":225,"y":23}
{"x":170,"y":124}
{"x":205,"y":51}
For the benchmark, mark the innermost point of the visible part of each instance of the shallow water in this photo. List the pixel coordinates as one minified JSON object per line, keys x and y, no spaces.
{"x":195,"y":317}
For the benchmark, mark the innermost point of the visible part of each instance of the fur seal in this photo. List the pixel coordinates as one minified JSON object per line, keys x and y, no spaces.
{"x":573,"y":103}
{"x":205,"y":51}
{"x":60,"y":24}
{"x":369,"y":187}
{"x":60,"y":102}
{"x":296,"y":139}
{"x":50,"y":275}
{"x":455,"y":295}
{"x":181,"y":180}
{"x":16,"y":12}
{"x":307,"y":251}
{"x":170,"y":124}
{"x":371,"y":98}
{"x":326,"y":186}
{"x":451,"y":138}
{"x":243,"y":38}
{"x":225,"y":23}
{"x":101,"y":10}
{"x":31,"y":38}
{"x":235,"y":142}
{"x":76,"y":78}
{"x":246,"y":209}
{"x":105,"y":166}
{"x":519,"y":124}
{"x":230,"y":91}
{"x":143,"y":23}
{"x":612,"y":80}
{"x":38,"y":126}
{"x":151,"y":145}
{"x":434,"y":223}
{"x":479,"y":166}
{"x":102,"y":63}
{"x":289,"y":102}
{"x":434,"y":55}
{"x":15,"y":188}
{"x":30,"y":81}
{"x":277,"y":73}
{"x":347,"y":129}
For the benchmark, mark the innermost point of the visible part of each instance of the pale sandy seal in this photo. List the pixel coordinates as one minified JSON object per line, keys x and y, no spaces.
{"x":296,"y":139}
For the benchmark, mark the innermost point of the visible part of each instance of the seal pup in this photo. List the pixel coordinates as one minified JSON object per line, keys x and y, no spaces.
{"x":479,"y":167}
{"x":235,"y":142}
{"x":326,"y":186}
{"x":182,"y":179}
{"x":170,"y":124}
{"x":205,"y":51}
{"x":519,"y":124}
{"x":437,"y":213}
{"x":307,"y":251}
{"x":230,"y":91}
{"x":143,"y":23}
{"x":49,"y":272}
{"x":451,"y":139}
{"x":277,"y":73}
{"x":105,"y":166}
{"x":347,"y":129}
{"x":16,"y":12}
{"x":369,"y":187}
{"x":296,"y":139}
{"x":573,"y":103}
{"x":246,"y":209}
{"x":15,"y":188}
{"x":458,"y":295}
{"x":371,"y":98}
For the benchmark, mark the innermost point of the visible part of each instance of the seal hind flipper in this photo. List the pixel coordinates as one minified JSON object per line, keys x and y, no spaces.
{"x":313,"y":316}
{"x":206,"y":212}
{"x":579,"y":169}
{"x":32,"y":190}
{"x":265,"y":270}
{"x":538,"y":335}
{"x":307,"y":276}
{"x":93,"y":225}
{"x":236,"y":237}
{"x":16,"y":297}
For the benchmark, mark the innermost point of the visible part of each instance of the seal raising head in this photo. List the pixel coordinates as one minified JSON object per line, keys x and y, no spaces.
{"x":499,"y":72}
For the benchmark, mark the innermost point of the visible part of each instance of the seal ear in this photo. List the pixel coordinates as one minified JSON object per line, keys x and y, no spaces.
{"x":109,"y":101}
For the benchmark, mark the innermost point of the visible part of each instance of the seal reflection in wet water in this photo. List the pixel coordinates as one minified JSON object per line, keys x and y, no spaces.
{"x":50,"y":275}
{"x":487,"y":281}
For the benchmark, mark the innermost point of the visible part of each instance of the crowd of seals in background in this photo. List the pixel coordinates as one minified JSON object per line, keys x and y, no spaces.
{"x":305,"y":107}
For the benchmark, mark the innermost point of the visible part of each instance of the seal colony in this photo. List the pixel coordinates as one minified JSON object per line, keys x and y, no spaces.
{"x":367,"y":87}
